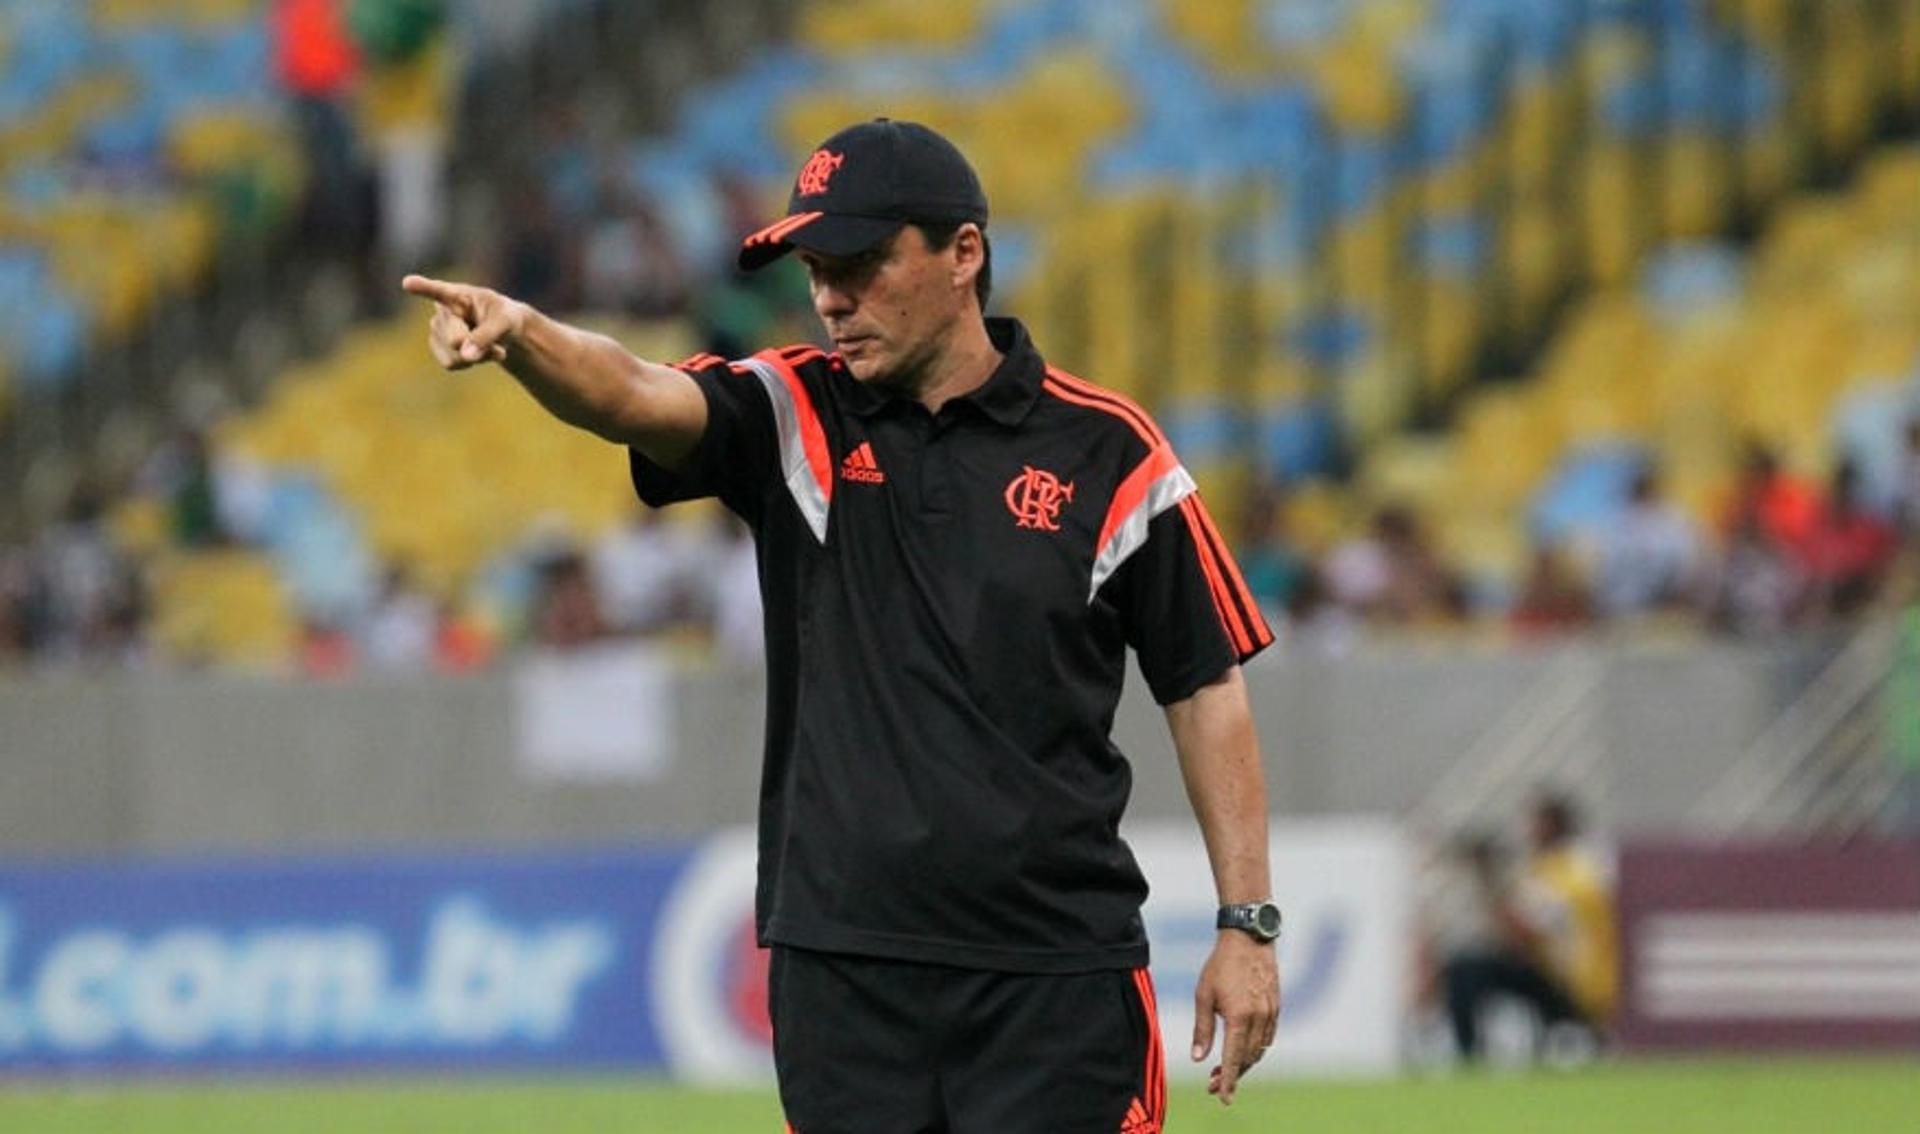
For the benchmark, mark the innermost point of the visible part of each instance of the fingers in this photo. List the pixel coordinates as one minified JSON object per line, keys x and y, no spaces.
{"x":455,"y":345}
{"x":1242,"y":990}
{"x":1236,"y":1055}
{"x":445,"y":334}
{"x":484,"y":341}
{"x":1203,"y":1008}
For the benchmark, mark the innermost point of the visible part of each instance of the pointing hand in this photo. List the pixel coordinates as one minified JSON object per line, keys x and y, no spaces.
{"x":470,"y":324}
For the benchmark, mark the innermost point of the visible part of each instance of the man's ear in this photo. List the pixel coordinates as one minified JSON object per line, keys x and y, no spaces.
{"x":969,"y":253}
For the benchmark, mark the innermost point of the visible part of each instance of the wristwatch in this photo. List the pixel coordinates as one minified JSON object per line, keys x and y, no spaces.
{"x":1260,"y":919}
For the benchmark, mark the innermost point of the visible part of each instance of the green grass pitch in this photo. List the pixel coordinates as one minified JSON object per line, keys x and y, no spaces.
{"x":1729,"y":1097}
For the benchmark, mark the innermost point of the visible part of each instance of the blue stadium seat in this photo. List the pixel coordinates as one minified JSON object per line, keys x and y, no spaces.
{"x":1588,"y":489}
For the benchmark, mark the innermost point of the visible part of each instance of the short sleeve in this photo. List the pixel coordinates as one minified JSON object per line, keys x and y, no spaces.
{"x":737,"y":455}
{"x":1183,"y":606}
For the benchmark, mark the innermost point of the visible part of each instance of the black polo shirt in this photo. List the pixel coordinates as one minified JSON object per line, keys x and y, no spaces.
{"x":949,"y":598}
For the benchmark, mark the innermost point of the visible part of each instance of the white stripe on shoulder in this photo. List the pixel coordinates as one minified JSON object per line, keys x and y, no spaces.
{"x":801,"y":485}
{"x":1165,"y":491}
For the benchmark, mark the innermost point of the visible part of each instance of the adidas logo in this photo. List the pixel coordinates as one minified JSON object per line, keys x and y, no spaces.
{"x":1138,"y":1121}
{"x":861,"y":466}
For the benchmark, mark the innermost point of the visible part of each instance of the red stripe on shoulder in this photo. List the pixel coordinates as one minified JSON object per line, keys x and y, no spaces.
{"x":1118,"y":404}
{"x":1068,"y":394}
{"x":813,"y":434}
{"x":1133,"y":491}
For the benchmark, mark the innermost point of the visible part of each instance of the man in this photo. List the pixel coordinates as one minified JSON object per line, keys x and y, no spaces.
{"x":1649,"y":555}
{"x":956,"y":545}
{"x":1553,"y":946}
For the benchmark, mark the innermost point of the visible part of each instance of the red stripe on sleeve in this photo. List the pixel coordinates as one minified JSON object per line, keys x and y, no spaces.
{"x":1222,"y":600}
{"x":1250,"y":610}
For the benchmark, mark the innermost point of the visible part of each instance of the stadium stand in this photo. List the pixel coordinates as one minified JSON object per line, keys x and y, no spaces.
{"x":132,"y":136}
{"x":1483,"y":259}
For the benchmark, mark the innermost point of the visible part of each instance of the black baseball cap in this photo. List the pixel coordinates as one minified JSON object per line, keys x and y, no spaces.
{"x":862,"y":185}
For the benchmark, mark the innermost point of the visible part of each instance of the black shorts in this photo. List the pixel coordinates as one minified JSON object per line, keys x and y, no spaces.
{"x":870,"y":1046}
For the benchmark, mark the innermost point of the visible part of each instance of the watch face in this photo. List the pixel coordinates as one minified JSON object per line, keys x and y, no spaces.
{"x":1266,"y":919}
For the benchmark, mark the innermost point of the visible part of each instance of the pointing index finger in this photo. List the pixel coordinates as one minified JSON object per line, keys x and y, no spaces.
{"x":440,"y":291}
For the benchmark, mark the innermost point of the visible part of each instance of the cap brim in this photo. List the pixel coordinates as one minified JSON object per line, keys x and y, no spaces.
{"x":830,"y":234}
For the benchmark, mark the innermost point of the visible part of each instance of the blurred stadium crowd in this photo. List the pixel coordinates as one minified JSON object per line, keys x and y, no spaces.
{"x":1505,"y":316}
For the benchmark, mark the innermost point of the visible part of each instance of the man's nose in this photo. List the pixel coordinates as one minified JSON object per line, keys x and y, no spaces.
{"x":831,"y":302}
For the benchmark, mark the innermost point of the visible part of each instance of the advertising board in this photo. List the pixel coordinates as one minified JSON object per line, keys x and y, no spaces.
{"x":637,"y":959}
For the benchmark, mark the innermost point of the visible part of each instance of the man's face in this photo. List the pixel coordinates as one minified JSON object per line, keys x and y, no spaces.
{"x":889,"y":310}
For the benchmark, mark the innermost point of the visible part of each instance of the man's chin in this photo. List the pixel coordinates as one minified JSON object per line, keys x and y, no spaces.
{"x":866,"y":368}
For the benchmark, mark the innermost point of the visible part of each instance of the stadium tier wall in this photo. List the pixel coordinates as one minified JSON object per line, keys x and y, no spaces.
{"x":170,"y":763}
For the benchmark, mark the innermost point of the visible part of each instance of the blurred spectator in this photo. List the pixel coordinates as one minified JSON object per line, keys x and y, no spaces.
{"x":1273,"y":568}
{"x":1552,"y":600}
{"x":406,"y":80}
{"x":1850,"y":549}
{"x":1556,"y":947}
{"x":16,"y":595}
{"x":1465,"y":952}
{"x":651,"y":572}
{"x":735,"y":599}
{"x":567,"y":612}
{"x":317,"y":63}
{"x":324,"y":652}
{"x":460,"y":645}
{"x":1314,"y":622}
{"x":1392,"y":573}
{"x":1784,"y":507}
{"x":88,"y":593}
{"x":195,"y":500}
{"x":1761,"y":585}
{"x":1564,"y":909}
{"x":1907,"y":489}
{"x":1649,"y":556}
{"x":535,"y":260}
{"x":629,"y":266}
{"x":400,"y":632}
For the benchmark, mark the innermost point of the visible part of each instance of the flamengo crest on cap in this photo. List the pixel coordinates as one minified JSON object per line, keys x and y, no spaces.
{"x":1035,"y":496}
{"x":817,"y":172}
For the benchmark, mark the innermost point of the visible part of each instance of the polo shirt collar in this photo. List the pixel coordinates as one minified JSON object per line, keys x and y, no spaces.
{"x":1007,"y":394}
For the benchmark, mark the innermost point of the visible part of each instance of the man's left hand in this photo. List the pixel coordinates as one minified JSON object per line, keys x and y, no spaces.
{"x":1241,"y":985}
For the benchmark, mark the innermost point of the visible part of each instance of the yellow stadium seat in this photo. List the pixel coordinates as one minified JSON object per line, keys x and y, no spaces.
{"x":1904,"y":35}
{"x":1222,"y":33}
{"x":1846,"y":98}
{"x":1507,"y":443}
{"x":1367,"y":258}
{"x":1375,"y":395}
{"x":1697,"y":186}
{"x":1889,"y":188}
{"x":849,"y":27}
{"x":1355,"y":80}
{"x":224,"y":606}
{"x":1421,"y":472}
{"x":1452,"y":326}
{"x":1319,"y":514}
{"x":139,"y":524}
{"x":1538,"y":255}
{"x":1542,"y":124}
{"x":1613,"y":219}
